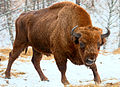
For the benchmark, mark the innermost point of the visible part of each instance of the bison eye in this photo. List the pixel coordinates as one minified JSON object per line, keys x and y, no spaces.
{"x":82,"y":45}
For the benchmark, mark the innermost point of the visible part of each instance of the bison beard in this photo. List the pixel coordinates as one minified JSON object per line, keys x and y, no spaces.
{"x":53,"y":30}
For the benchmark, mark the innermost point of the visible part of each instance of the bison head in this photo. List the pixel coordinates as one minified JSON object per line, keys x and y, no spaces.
{"x":87,"y":41}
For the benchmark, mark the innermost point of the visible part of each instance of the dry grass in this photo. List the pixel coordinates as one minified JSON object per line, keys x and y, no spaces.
{"x":104,"y":52}
{"x":93,"y":85}
{"x":1,"y":65}
{"x":6,"y":52}
{"x":117,"y":51}
{"x":17,"y":74}
{"x":2,"y":58}
{"x":3,"y":85}
{"x":29,"y":53}
{"x":23,"y":60}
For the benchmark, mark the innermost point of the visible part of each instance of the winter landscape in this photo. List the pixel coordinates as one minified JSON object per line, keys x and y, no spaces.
{"x":104,"y":13}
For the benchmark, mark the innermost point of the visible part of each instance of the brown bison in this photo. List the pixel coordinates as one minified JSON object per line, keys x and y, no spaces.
{"x":64,"y":30}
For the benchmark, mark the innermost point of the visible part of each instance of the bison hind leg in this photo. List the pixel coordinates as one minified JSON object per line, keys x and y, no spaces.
{"x":36,"y":62}
{"x":13,"y":55}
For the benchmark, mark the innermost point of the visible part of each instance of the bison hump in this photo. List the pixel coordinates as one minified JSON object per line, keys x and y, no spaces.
{"x":61,"y":4}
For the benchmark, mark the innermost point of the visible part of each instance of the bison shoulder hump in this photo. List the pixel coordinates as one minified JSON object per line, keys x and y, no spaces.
{"x":62,"y":4}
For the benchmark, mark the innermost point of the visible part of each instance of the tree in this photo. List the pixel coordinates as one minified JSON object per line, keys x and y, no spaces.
{"x":9,"y":21}
{"x":92,"y":3}
{"x":119,"y":24}
{"x":34,"y":3}
{"x":26,"y":3}
{"x":48,"y":2}
{"x":111,"y":15}
{"x":78,"y":2}
{"x":43,"y":3}
{"x":38,"y":7}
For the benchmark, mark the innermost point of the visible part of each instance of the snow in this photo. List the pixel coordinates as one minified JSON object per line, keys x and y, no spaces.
{"x":5,"y":39}
{"x":108,"y":69}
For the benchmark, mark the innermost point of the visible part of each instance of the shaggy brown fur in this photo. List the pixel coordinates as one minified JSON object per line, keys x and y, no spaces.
{"x":48,"y":31}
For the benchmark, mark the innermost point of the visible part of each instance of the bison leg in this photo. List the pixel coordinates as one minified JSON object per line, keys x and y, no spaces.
{"x":61,"y":63}
{"x":96,"y":75}
{"x":13,"y":55}
{"x":36,"y":62}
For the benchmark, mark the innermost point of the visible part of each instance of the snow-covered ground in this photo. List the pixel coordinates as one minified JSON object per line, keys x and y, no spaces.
{"x":24,"y":74}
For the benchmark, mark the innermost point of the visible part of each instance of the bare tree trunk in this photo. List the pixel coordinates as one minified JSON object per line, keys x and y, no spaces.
{"x":48,"y":2}
{"x":43,"y":2}
{"x":26,"y":1}
{"x":93,"y":3}
{"x":9,"y":21}
{"x":1,"y":6}
{"x":34,"y":1}
{"x":4,"y":6}
{"x":119,"y":24}
{"x":78,"y":2}
{"x":38,"y":7}
{"x":111,"y":9}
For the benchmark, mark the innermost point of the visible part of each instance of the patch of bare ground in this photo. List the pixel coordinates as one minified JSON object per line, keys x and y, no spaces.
{"x":104,"y":52}
{"x":23,"y":60}
{"x":93,"y":85}
{"x":2,"y":58}
{"x":3,"y":85}
{"x":7,"y":51}
{"x":14,"y":74}
{"x":1,"y":65}
{"x":117,"y":51}
{"x":17,"y":74}
{"x":29,"y":53}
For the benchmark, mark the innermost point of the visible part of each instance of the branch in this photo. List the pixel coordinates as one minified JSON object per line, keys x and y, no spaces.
{"x":3,"y":29}
{"x":102,"y":18}
{"x":99,"y":21}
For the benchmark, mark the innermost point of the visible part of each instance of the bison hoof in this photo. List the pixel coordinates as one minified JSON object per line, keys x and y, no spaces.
{"x":65,"y":82}
{"x":97,"y":82}
{"x":7,"y":77}
{"x":44,"y":79}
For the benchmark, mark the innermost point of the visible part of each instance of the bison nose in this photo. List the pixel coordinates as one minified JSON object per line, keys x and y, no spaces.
{"x":90,"y":61}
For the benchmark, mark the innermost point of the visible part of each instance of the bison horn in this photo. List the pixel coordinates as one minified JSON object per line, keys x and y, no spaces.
{"x":75,"y":34}
{"x":106,"y":35}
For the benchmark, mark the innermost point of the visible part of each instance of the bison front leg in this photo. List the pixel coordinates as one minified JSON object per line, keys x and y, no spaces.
{"x":96,"y":75}
{"x":61,"y":63}
{"x":36,"y":62}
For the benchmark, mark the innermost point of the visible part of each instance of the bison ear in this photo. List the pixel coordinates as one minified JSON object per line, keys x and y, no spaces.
{"x":76,"y":38}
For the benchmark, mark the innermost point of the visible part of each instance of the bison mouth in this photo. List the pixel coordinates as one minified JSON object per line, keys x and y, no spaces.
{"x":90,"y":61}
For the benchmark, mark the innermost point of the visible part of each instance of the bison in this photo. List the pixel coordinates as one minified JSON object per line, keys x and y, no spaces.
{"x":64,"y":30}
